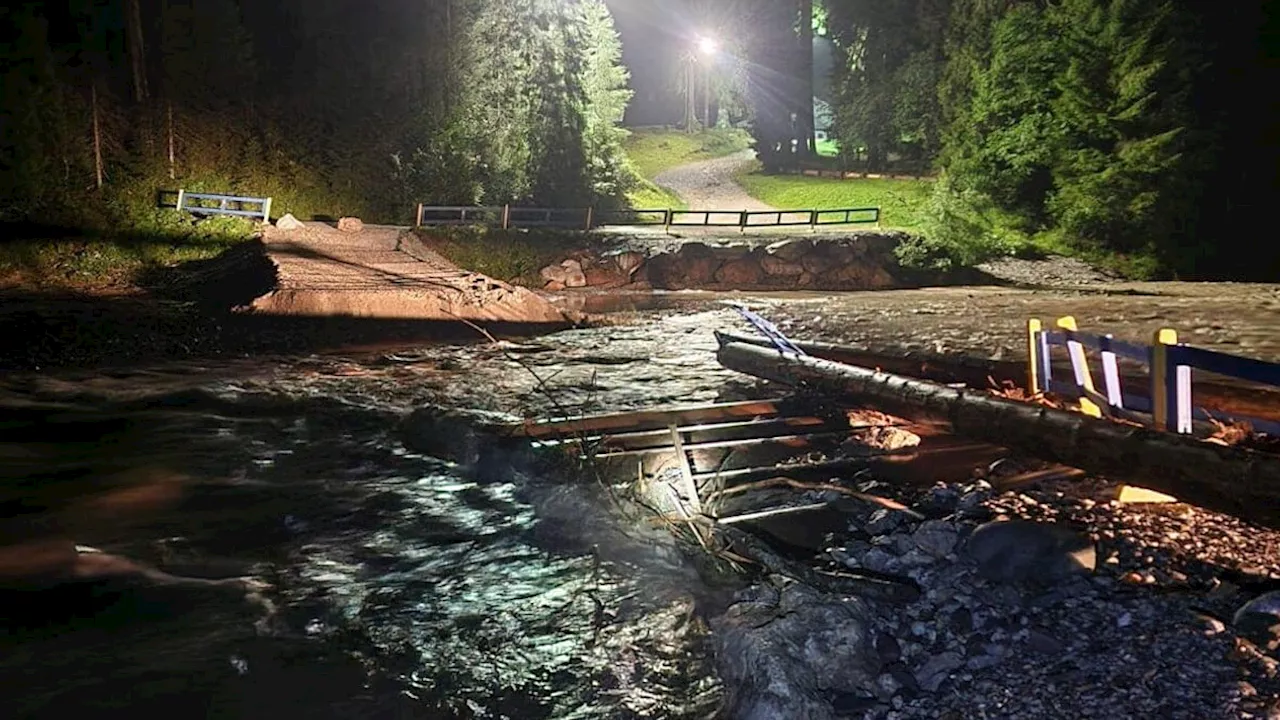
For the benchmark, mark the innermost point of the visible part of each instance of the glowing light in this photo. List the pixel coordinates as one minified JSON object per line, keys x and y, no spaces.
{"x":708,"y":46}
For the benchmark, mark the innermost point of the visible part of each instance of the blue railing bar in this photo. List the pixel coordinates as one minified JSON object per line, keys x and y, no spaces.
{"x":1241,"y":368}
{"x":1129,"y":350}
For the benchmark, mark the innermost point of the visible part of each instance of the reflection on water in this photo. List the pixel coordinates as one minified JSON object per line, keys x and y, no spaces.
{"x":400,"y":589}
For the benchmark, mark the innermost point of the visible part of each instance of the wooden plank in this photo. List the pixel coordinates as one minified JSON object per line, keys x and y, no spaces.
{"x":793,"y":441}
{"x":707,"y":432}
{"x":648,"y":419}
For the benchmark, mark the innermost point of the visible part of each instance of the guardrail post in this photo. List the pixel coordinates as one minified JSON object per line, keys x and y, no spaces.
{"x":742,"y":222}
{"x":813,"y":220}
{"x":506,"y":217}
{"x":591,"y":218}
{"x":182,"y":196}
{"x":266,"y":211}
{"x":417,"y":218}
{"x":1163,"y":383}
{"x":1034,"y":382}
{"x":1080,"y":364}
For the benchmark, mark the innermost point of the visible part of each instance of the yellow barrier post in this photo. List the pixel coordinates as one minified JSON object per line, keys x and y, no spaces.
{"x":1034,"y":381}
{"x":1080,"y":364}
{"x":1160,"y":395}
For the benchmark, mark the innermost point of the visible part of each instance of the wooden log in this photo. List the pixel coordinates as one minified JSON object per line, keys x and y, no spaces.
{"x":1218,"y":395}
{"x":1232,"y":480}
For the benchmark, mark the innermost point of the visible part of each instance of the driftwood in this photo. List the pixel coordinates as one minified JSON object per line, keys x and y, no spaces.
{"x":1217,"y":395}
{"x":1232,"y":480}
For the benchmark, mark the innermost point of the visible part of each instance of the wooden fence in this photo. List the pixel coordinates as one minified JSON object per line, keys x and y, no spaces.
{"x":1170,"y":403}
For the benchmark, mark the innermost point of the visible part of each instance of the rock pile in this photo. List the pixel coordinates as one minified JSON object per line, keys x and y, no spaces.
{"x":1026,"y":610}
{"x":864,"y":262}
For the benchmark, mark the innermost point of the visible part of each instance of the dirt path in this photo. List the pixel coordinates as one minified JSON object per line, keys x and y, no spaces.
{"x":709,"y":185}
{"x":384,"y":272}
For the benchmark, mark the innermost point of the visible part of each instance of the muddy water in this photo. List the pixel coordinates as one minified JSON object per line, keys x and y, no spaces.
{"x":396,"y":585}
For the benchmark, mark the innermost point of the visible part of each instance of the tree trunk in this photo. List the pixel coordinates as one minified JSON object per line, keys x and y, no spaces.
{"x":1240,"y":482}
{"x":137,"y":50}
{"x":1217,"y":395}
{"x":97,"y":138}
{"x":808,"y":143}
{"x":173,"y":159}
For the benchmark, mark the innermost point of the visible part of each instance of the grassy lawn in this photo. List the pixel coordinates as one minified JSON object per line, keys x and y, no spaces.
{"x":902,"y":203}
{"x":114,"y":261}
{"x":513,"y":256}
{"x":653,"y":150}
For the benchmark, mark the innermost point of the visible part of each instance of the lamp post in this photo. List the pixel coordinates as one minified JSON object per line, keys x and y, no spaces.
{"x":708,"y":47}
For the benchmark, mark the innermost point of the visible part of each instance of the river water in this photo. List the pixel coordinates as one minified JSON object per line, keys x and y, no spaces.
{"x":394,"y":585}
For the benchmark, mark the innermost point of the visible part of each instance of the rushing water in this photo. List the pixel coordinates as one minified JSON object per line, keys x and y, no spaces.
{"x":396,"y":586}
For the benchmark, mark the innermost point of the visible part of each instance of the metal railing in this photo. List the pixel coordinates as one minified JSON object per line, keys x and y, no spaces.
{"x":218,"y":204}
{"x":506,"y":216}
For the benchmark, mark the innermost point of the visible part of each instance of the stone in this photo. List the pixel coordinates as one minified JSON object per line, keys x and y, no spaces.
{"x":877,"y":560}
{"x":787,"y":659}
{"x":288,"y":223}
{"x":1044,"y":644}
{"x":858,"y":275}
{"x":604,"y":277}
{"x":884,"y":521}
{"x":791,"y":251}
{"x":350,"y":225}
{"x":741,"y":273}
{"x":776,"y":266}
{"x":1259,"y":621}
{"x":554,"y":286}
{"x":1021,"y":551}
{"x":937,"y":537}
{"x":628,"y":263}
{"x":938,"y":668}
{"x":574,"y":277}
{"x":816,"y":262}
{"x":941,"y":501}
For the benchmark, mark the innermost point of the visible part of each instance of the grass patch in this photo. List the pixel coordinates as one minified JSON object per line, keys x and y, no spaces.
{"x":514,"y":256}
{"x":902,"y":203}
{"x":117,"y":260}
{"x":653,"y":151}
{"x":648,"y":195}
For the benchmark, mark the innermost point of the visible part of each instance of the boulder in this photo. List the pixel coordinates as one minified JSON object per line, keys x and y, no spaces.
{"x":697,"y":270}
{"x":858,"y":276}
{"x":350,"y":225}
{"x":289,"y":223}
{"x":628,"y":262}
{"x":745,"y":272}
{"x":1259,"y":621}
{"x":776,"y":266}
{"x":786,"y":654}
{"x":817,"y":262}
{"x":1021,"y":551}
{"x":605,"y":276}
{"x":567,"y":274}
{"x":792,"y":250}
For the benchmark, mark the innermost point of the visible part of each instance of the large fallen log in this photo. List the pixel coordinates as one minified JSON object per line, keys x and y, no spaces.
{"x":1221,"y":396}
{"x":1232,"y":480}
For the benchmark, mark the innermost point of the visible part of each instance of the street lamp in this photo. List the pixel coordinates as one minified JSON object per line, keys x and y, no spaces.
{"x":708,"y":47}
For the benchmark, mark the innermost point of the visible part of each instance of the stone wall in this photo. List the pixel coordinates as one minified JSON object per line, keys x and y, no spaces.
{"x":863,"y":262}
